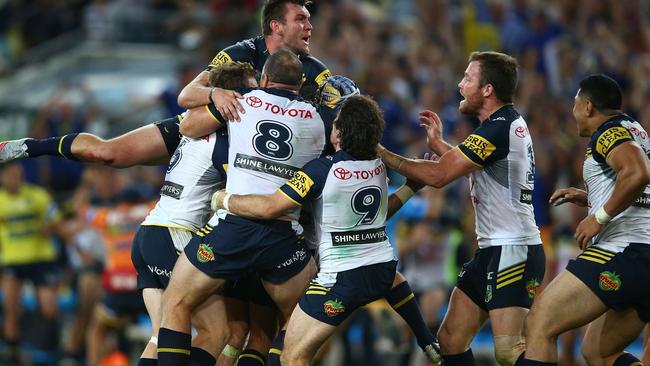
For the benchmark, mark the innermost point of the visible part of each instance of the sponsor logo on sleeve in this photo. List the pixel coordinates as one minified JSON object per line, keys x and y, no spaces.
{"x":171,"y":189}
{"x":608,"y":138}
{"x":333,"y":308}
{"x":301,"y":183}
{"x":609,"y":281}
{"x":521,"y":131}
{"x":220,"y":59}
{"x":479,"y":146}
{"x":526,"y":196}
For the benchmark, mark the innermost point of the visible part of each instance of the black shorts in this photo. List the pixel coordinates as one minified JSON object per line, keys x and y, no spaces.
{"x":237,"y":246}
{"x":41,"y":274}
{"x":620,"y":280}
{"x":153,"y":255}
{"x":503,"y":276}
{"x":353,"y":289}
{"x":121,"y":304}
{"x":170,"y":132}
{"x":248,"y":288}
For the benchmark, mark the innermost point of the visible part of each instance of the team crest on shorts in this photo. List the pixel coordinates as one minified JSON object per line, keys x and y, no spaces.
{"x":488,"y":293}
{"x":531,"y":287}
{"x":204,"y":254}
{"x":609,"y":281}
{"x":333,"y":308}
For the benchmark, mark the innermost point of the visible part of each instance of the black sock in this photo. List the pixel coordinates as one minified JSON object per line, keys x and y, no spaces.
{"x":403,"y":301}
{"x":56,"y":146}
{"x":201,"y":357}
{"x":173,"y":347}
{"x":147,"y":362}
{"x":523,"y":361}
{"x":276,"y":349}
{"x":250,"y":357}
{"x":462,"y":359}
{"x":626,"y":359}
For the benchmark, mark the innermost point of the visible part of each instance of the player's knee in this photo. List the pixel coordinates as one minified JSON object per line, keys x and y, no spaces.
{"x":508,"y":348}
{"x":290,"y":357}
{"x":591,"y":354}
{"x":450,"y":342}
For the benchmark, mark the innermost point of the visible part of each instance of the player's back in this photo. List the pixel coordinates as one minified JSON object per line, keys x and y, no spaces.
{"x":278,"y":134}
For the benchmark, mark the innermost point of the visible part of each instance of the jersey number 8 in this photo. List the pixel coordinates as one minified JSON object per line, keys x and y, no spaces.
{"x":272,"y":140}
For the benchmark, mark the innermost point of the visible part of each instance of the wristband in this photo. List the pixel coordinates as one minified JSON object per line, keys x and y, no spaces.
{"x":226,"y":198}
{"x":210,"y":96}
{"x":230,"y":351}
{"x":153,"y":340}
{"x":602,"y":217}
{"x":404,"y":193}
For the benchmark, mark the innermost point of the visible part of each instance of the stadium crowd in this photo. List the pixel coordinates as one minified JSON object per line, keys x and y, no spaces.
{"x":409,"y":55}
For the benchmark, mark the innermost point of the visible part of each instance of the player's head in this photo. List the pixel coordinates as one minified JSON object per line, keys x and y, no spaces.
{"x":358,"y":127}
{"x":11,"y":177}
{"x":233,"y":75}
{"x":282,"y":67}
{"x":335,"y":91}
{"x":289,"y":20}
{"x":598,"y":94}
{"x":488,"y":75}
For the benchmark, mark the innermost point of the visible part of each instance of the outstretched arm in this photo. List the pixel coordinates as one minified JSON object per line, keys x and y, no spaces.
{"x":432,"y":123}
{"x":254,"y":206}
{"x":199,"y":122}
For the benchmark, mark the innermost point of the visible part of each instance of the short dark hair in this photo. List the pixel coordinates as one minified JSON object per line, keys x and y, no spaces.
{"x":603,"y":92}
{"x":276,"y":10}
{"x":231,"y":75}
{"x":361,"y":124}
{"x":283,"y":67}
{"x":497,"y":69}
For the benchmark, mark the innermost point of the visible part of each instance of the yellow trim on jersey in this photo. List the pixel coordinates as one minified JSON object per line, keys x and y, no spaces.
{"x":61,"y":144}
{"x":467,"y":157}
{"x":250,"y":355}
{"x":592,"y":259}
{"x":301,"y":183}
{"x":174,"y":350}
{"x":320,"y":79}
{"x":510,"y":275}
{"x":291,"y":199}
{"x":516,"y":267}
{"x":172,"y":227}
{"x":609,"y":137}
{"x":179,"y":117}
{"x":225,"y":167}
{"x":275,"y":351}
{"x":313,"y":292}
{"x":207,"y":108}
{"x":221,"y":58}
{"x":506,"y":283}
{"x":318,"y":287}
{"x":404,"y":301}
{"x":601,"y":251}
{"x":479,"y":145}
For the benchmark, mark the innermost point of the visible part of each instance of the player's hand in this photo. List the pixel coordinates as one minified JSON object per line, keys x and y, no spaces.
{"x":433,"y":125}
{"x":227,"y":103}
{"x":416,"y":186}
{"x":586,"y":230}
{"x":573,"y":195}
{"x":217,"y":200}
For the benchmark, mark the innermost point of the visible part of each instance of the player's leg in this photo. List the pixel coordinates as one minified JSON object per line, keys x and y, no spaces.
{"x":606,"y":338}
{"x":237,"y":319}
{"x":148,"y":145}
{"x":153,"y":302}
{"x":188,"y":287}
{"x":263,"y":328}
{"x":11,"y":288}
{"x":46,"y":281}
{"x":304,"y":337}
{"x":403,"y":301}
{"x":89,"y":292}
{"x":209,"y":319}
{"x":566,"y":303}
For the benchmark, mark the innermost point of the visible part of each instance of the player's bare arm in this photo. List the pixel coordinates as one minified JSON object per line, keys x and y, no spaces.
{"x":198,"y":93}
{"x":432,"y":123}
{"x":448,"y":168}
{"x":264,"y":207}
{"x":199,"y":122}
{"x":633,"y":175}
{"x":571,"y":195}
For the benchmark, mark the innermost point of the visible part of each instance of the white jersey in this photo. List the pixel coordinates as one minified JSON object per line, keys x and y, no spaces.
{"x":196,"y":170}
{"x":502,"y":190}
{"x":350,"y":205}
{"x":633,"y":224}
{"x":278,"y":134}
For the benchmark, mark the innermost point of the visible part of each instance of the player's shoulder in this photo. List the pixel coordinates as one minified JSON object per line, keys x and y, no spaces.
{"x":314,"y":69}
{"x":503,"y":117}
{"x":610,"y":134}
{"x":242,"y":51}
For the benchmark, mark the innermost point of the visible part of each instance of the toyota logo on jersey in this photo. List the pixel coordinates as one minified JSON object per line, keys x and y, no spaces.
{"x":342,"y":174}
{"x":254,"y":102}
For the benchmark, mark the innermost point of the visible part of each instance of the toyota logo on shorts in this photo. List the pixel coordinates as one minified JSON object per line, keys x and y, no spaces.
{"x":254,"y":102}
{"x":343,"y":174}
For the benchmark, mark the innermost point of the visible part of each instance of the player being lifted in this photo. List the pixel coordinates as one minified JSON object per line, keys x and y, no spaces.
{"x":351,"y":205}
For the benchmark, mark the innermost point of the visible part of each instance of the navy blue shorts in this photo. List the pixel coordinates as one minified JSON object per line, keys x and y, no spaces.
{"x":120,"y":304}
{"x":170,"y":132}
{"x":248,"y":288}
{"x":620,"y":280}
{"x":503,"y":276}
{"x":153,"y":254}
{"x":41,"y":274}
{"x":237,"y":246}
{"x":353,"y":289}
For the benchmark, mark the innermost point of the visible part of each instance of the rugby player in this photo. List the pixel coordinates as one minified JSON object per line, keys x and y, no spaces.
{"x":606,"y":284}
{"x":500,"y":282}
{"x":280,"y":131}
{"x":285,"y":24}
{"x":353,"y":270}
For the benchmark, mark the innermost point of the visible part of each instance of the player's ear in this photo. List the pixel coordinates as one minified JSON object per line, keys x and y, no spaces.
{"x":589,"y":108}
{"x":488,"y":89}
